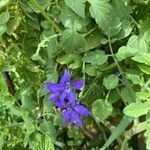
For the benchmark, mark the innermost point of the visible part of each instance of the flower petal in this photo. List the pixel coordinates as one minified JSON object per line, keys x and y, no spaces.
{"x":78,"y":84}
{"x":62,"y":99}
{"x":54,"y":87}
{"x":66,"y":115}
{"x":66,"y":77}
{"x":71,"y":97}
{"x":75,"y":118}
{"x":81,"y":110}
{"x":53,"y":97}
{"x":59,"y":104}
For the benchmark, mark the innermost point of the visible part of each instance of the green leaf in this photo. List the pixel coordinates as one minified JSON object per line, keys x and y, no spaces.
{"x":146,"y":37}
{"x":135,"y":46}
{"x":96,"y":57}
{"x":19,"y":111}
{"x":78,"y":6}
{"x":91,"y":70}
{"x":126,"y":29}
{"x":117,"y":131}
{"x":121,"y":9}
{"x":3,"y":28}
{"x":1,"y":140}
{"x":102,"y":12}
{"x":73,"y":60}
{"x":47,"y":128}
{"x":71,"y":20}
{"x":58,"y":120}
{"x":4,"y":17}
{"x":113,"y":96}
{"x":52,"y":45}
{"x":3,"y":3}
{"x":135,"y":78}
{"x":143,"y":95}
{"x":27,"y":99}
{"x":12,"y":25}
{"x":45,"y":143}
{"x":115,"y":27}
{"x":72,"y":40}
{"x":142,"y":58}
{"x":93,"y":40}
{"x":110,"y":82}
{"x":127,"y":95}
{"x":101,"y":109}
{"x":136,"y":109}
{"x":144,"y":68}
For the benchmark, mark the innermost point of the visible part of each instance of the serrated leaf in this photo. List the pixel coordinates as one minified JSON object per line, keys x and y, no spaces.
{"x":101,"y":109}
{"x":127,"y":95}
{"x":113,"y":96}
{"x":134,"y":78}
{"x":71,"y":20}
{"x":136,"y":109}
{"x":47,"y":128}
{"x":93,"y":40}
{"x":78,"y":6}
{"x":134,"y":46}
{"x":126,"y":29}
{"x":73,"y":60}
{"x":96,"y":57}
{"x":142,"y":58}
{"x":72,"y":40}
{"x":45,"y":144}
{"x":92,"y":71}
{"x":111,"y":81}
{"x":115,"y":27}
{"x":101,"y":11}
{"x":4,"y":17}
{"x":121,"y":9}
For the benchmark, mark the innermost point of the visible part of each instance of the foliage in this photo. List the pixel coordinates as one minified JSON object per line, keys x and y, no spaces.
{"x":104,"y":42}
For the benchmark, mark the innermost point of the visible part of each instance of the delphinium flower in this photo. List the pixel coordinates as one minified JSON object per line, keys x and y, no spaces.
{"x":74,"y":112}
{"x":63,"y":96}
{"x":64,"y":89}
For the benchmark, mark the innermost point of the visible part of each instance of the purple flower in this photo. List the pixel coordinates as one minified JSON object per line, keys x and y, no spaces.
{"x":63,"y":90}
{"x":73,"y":114}
{"x":63,"y":96}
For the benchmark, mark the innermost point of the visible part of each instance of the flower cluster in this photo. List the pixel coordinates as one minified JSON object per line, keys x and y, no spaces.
{"x":63,"y":96}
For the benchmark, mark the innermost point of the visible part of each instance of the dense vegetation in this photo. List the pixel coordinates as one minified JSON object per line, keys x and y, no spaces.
{"x":106,"y":43}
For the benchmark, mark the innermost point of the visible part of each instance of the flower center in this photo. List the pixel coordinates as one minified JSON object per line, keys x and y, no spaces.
{"x":67,"y":87}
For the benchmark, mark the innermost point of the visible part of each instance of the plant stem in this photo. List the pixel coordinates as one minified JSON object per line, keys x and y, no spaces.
{"x":112,"y":53}
{"x":50,"y":21}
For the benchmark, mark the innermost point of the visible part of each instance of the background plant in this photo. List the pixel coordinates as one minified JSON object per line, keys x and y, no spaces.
{"x":104,"y":42}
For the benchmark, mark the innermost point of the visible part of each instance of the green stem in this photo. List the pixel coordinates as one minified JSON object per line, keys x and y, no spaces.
{"x":119,"y":68}
{"x":50,"y":21}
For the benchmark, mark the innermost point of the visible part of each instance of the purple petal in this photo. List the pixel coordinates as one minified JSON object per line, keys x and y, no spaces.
{"x":75,"y":118}
{"x":66,"y":77}
{"x":78,"y":84}
{"x":62,"y":99}
{"x":66,"y":115}
{"x":53,"y":97}
{"x":54,"y":87}
{"x":60,"y":104}
{"x":81,"y":110}
{"x":71,"y":97}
